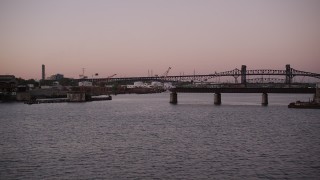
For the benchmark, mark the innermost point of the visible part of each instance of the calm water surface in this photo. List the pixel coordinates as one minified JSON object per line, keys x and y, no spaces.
{"x":145,"y":137}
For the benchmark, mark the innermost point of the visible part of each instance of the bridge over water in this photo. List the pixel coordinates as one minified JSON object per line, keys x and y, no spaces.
{"x":280,"y":82}
{"x":217,"y":91}
{"x":285,"y":75}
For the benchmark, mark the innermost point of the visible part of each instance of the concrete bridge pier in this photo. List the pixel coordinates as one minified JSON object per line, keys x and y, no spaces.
{"x":264,"y":99}
{"x":217,"y":98}
{"x":173,"y":98}
{"x":317,"y":94}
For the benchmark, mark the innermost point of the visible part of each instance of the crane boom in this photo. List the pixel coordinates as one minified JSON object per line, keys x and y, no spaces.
{"x":167,"y":72}
{"x":106,"y":80}
{"x":111,"y":76}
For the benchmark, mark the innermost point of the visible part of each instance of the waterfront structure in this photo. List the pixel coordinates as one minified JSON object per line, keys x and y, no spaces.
{"x":314,"y":104}
{"x":76,"y":96}
{"x":85,"y":83}
{"x":317,"y":95}
{"x":8,"y":86}
{"x":7,"y":81}
{"x":173,"y":98}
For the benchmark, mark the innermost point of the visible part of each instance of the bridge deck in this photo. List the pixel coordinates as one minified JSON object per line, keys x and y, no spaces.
{"x":245,"y":90}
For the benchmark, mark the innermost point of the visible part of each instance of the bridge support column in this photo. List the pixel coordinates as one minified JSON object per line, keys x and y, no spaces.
{"x":217,"y":98}
{"x":317,"y":95}
{"x":288,"y":74}
{"x":264,"y":99}
{"x":243,"y":74}
{"x":173,"y":98}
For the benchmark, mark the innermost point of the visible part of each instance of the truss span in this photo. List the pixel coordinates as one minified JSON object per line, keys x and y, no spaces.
{"x":288,"y":73}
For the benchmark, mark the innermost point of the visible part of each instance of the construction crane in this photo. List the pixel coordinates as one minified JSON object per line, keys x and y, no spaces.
{"x":107,"y":79}
{"x":166,"y":73}
{"x":82,"y":76}
{"x":111,"y":76}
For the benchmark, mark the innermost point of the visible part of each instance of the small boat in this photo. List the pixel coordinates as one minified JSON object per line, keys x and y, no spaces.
{"x":304,"y":105}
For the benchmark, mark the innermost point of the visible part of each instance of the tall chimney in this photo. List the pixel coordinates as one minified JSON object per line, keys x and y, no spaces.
{"x":43,"y":72}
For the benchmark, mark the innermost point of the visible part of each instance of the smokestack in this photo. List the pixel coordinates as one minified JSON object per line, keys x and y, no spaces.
{"x":43,"y":72}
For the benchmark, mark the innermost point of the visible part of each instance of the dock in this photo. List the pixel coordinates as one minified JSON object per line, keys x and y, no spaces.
{"x":62,"y":100}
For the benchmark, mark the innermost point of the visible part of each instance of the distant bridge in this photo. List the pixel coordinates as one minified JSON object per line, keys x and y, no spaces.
{"x":288,"y":74}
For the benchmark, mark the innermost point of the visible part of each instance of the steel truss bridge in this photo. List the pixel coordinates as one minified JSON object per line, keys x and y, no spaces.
{"x":286,"y":76}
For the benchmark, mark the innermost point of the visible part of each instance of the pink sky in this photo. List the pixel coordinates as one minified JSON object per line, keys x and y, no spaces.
{"x":131,"y":37}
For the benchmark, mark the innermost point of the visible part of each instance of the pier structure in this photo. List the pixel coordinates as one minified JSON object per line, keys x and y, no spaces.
{"x":317,"y":95}
{"x":217,"y":98}
{"x":173,"y":98}
{"x":243,"y":74}
{"x":218,"y":91}
{"x":264,"y":101}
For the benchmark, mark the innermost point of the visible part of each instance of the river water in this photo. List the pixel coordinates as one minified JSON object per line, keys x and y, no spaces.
{"x":145,"y":137}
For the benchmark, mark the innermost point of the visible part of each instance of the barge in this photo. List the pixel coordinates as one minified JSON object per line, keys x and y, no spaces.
{"x":314,"y":104}
{"x":304,"y":105}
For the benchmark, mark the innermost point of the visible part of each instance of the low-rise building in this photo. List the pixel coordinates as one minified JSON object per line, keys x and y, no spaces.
{"x":85,"y":83}
{"x":7,"y":83}
{"x":56,"y":77}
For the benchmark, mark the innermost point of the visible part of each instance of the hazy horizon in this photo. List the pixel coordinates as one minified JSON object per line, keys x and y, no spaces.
{"x":130,"y":38}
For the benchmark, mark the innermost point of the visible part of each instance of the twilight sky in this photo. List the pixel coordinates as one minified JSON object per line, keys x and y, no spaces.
{"x":130,"y":37}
